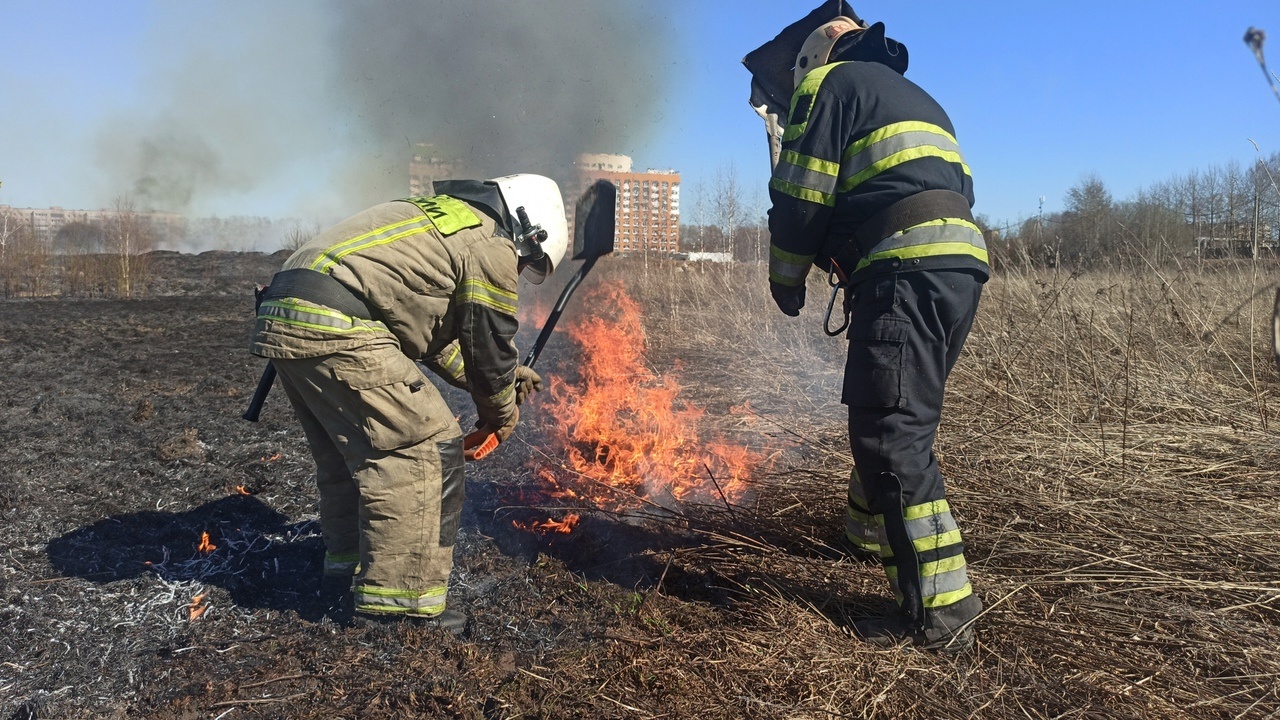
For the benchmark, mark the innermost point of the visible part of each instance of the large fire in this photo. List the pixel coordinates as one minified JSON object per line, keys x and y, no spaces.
{"x":626,"y":436}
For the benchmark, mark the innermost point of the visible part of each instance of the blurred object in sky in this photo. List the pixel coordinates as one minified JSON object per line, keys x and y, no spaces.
{"x":1254,"y":38}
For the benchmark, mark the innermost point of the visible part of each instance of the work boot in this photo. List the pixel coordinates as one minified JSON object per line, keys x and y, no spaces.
{"x":451,"y":621}
{"x":947,"y":630}
{"x":894,"y":630}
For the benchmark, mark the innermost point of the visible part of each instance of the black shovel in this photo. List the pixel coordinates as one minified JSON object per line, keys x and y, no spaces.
{"x":592,"y":239}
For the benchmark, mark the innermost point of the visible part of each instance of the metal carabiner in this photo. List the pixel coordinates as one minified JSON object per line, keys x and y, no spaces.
{"x":835,"y":284}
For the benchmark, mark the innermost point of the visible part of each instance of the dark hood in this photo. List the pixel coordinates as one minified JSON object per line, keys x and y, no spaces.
{"x":871,"y":45}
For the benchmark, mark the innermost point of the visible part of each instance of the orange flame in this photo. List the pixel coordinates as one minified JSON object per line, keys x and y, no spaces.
{"x":205,"y":546}
{"x":550,"y":525}
{"x":273,"y":458}
{"x":243,"y":490}
{"x":628,"y":436}
{"x":196,"y":609}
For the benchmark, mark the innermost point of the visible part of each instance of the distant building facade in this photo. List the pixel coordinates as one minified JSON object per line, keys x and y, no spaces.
{"x":648,"y":213}
{"x":427,"y":165}
{"x":1236,"y":239}
{"x":647,"y":218}
{"x":46,"y":222}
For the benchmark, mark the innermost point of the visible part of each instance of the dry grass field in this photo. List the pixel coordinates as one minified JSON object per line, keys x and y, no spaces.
{"x":1109,"y":441}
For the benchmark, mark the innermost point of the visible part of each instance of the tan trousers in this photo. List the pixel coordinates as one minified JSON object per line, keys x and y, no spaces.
{"x":389,"y":471}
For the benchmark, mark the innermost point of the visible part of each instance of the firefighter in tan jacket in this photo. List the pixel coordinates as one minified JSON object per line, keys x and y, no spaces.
{"x":428,"y":279}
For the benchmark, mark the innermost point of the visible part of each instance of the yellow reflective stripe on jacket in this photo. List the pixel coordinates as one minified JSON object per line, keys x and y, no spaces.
{"x":894,"y":145}
{"x":381,"y":236}
{"x":802,"y":193}
{"x":453,"y":364}
{"x":945,"y":236}
{"x":503,"y":396}
{"x":479,"y":291}
{"x":808,"y":88}
{"x":787,"y":268}
{"x":299,"y":313}
{"x":806,"y":178}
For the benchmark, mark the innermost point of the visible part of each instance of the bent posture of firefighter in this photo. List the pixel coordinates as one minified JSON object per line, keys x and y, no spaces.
{"x":431,"y":279}
{"x":870,"y":177}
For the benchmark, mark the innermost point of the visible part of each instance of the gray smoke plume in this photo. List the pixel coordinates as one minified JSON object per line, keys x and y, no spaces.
{"x":319,"y":103}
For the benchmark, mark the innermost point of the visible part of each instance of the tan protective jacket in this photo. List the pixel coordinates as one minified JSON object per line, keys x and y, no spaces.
{"x":438,"y":274}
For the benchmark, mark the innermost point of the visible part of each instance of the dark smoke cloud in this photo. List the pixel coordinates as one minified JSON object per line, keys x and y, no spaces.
{"x":318,"y":103}
{"x":503,"y":86}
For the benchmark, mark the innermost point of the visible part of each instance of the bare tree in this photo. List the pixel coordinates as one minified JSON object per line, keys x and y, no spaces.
{"x":727,"y":204}
{"x":80,"y":246}
{"x":128,"y":237}
{"x":298,"y":235}
{"x":24,"y":264}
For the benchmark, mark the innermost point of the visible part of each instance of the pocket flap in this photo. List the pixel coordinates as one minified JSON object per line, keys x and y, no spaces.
{"x":361,"y":375}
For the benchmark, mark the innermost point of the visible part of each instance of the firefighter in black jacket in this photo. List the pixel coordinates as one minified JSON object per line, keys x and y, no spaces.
{"x":870,"y":184}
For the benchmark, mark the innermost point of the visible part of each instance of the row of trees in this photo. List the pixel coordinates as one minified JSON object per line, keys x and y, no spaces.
{"x":1224,"y":211}
{"x":1227,"y":210}
{"x":84,"y":259}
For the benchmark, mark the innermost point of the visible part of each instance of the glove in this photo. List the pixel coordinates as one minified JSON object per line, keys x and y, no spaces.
{"x":790,"y":299}
{"x":486,"y":438}
{"x":528,"y":382}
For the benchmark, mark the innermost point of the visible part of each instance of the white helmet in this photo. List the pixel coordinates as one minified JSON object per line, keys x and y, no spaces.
{"x":816,"y":50}
{"x":541,"y":235}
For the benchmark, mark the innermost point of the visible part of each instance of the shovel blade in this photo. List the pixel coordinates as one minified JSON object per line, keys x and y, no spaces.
{"x":593,"y":221}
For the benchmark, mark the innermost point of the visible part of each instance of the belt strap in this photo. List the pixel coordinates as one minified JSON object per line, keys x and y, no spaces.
{"x":912,"y":210}
{"x":319,"y":288}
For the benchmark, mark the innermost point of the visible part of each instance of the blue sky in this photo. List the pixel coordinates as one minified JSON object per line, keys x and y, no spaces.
{"x":1041,"y":94}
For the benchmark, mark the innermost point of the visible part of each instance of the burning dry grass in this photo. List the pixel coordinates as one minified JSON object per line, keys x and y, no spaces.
{"x":1108,"y":445}
{"x":1110,"y":451}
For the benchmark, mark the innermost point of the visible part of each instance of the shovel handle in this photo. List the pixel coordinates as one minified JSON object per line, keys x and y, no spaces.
{"x":478,"y":444}
{"x":550,"y":324}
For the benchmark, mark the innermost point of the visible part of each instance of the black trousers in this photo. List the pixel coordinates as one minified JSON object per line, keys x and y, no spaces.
{"x":906,"y":332}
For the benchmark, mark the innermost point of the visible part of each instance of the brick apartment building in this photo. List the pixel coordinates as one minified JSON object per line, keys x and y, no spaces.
{"x":648,"y":213}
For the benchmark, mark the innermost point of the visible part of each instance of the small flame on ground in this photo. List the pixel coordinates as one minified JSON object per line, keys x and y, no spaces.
{"x":273,"y":458}
{"x":196,"y":609}
{"x":550,"y":525}
{"x":205,"y":546}
{"x":243,"y":490}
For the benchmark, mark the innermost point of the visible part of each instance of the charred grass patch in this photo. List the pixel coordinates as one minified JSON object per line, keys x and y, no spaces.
{"x":1109,"y":444}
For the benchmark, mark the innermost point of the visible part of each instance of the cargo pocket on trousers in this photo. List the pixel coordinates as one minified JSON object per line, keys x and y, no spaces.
{"x":453,"y":489}
{"x":873,"y":371}
{"x":392,"y":402}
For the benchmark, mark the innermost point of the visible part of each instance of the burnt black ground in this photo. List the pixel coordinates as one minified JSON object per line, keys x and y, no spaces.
{"x":123,"y":443}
